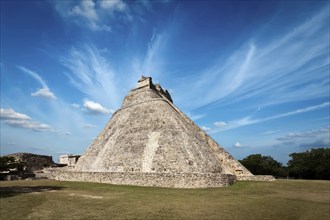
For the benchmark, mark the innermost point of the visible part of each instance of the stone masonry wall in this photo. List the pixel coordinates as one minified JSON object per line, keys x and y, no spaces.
{"x":173,"y":180}
{"x":256,"y":178}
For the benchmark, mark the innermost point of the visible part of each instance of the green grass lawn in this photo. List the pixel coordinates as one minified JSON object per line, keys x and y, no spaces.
{"x":49,"y":199}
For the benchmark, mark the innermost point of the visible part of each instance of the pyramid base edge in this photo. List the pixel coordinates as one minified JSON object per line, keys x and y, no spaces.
{"x":168,"y":180}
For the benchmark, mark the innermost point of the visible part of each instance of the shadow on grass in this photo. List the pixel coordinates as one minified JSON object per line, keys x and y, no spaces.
{"x":10,"y":191}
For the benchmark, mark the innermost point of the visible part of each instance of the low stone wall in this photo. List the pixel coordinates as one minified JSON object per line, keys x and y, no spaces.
{"x":172,"y":180}
{"x":256,"y":178}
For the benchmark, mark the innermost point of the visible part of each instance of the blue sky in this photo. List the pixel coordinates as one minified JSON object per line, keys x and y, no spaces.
{"x":252,"y":74}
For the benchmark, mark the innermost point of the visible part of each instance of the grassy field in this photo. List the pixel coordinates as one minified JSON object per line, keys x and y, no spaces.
{"x":48,"y":199}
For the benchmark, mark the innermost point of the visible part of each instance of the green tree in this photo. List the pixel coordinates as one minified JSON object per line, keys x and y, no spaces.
{"x":311,"y":164}
{"x":263,"y":165}
{"x":7,"y":163}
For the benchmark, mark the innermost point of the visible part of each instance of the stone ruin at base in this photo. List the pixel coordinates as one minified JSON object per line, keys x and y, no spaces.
{"x":69,"y":160}
{"x":150,"y":142}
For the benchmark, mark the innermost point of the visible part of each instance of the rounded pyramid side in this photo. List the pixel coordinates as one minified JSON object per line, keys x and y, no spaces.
{"x":148,"y":135}
{"x":229,"y":164}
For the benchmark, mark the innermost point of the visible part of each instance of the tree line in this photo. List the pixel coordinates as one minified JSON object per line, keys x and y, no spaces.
{"x":311,"y":164}
{"x":9,"y":163}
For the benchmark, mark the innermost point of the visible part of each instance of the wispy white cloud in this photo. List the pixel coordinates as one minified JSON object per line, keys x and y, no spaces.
{"x":305,"y":139}
{"x":91,"y":73}
{"x":206,"y":128}
{"x":151,"y":60}
{"x":33,"y":125}
{"x":276,"y":72}
{"x":195,"y":117}
{"x":10,"y":114}
{"x":238,"y":145}
{"x":67,"y":118}
{"x":220,"y":124}
{"x":34,"y":75}
{"x":85,"y":9}
{"x":88,"y":126}
{"x":305,"y":134}
{"x":298,"y":111}
{"x":151,"y":63}
{"x":248,"y":120}
{"x":19,"y":120}
{"x":271,"y":132}
{"x":95,"y":108}
{"x":113,"y":5}
{"x":43,"y":92}
{"x":95,"y":15}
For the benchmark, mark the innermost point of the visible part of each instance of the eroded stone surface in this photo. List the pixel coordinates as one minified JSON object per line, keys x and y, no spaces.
{"x":172,"y":180}
{"x":149,"y":139}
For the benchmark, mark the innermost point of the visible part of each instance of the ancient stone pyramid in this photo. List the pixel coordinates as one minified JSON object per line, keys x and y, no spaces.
{"x":150,"y":142}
